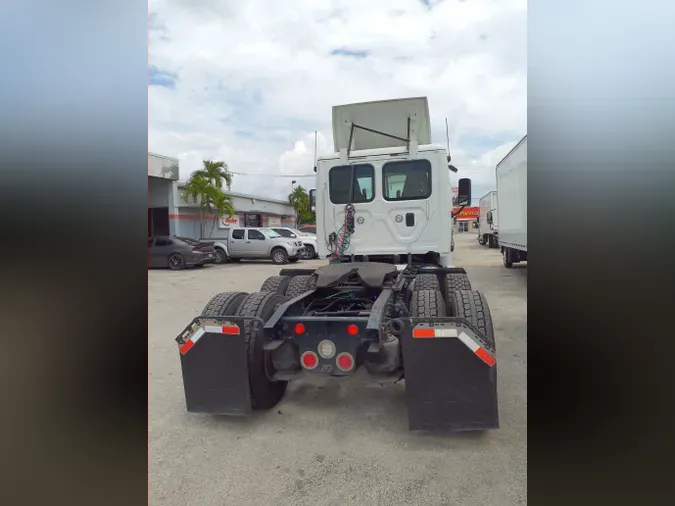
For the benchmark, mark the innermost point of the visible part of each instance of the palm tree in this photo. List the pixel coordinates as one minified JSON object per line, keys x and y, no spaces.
{"x":221,"y":204}
{"x":216,"y":172}
{"x":197,"y":189}
{"x":203,"y":191}
{"x":299,"y":199}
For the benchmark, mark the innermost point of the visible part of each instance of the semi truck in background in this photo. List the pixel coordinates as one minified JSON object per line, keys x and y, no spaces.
{"x":487,"y":220}
{"x":512,"y":204}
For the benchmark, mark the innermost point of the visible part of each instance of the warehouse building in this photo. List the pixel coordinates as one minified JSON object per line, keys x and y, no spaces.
{"x":169,"y":214}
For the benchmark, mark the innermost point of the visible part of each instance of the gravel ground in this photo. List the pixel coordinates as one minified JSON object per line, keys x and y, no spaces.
{"x":332,"y":441}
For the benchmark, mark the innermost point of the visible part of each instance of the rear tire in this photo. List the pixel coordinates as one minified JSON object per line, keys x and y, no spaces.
{"x":455,"y":281}
{"x":265,"y":393}
{"x":224,"y":304}
{"x":427,"y":304}
{"x":176,"y":262}
{"x":507,"y":257}
{"x":426,"y":282}
{"x":310,"y":253}
{"x":276,"y":284}
{"x":279,"y":256}
{"x":472,"y":305}
{"x":298,"y":286}
{"x":481,"y":240}
{"x":221,"y":257}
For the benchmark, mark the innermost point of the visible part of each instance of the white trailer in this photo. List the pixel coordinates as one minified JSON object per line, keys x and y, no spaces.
{"x":512,"y":204}
{"x":488,"y":220}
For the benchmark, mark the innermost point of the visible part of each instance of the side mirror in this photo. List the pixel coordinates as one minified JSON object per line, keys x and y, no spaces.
{"x":464,"y":192}
{"x":293,"y":236}
{"x":489,"y":218}
{"x":312,"y":200}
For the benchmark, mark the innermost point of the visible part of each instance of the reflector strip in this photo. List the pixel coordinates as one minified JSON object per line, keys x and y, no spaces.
{"x":446,"y":332}
{"x":480,"y":352}
{"x":186,"y":347}
{"x":426,"y":332}
{"x":470,"y":343}
{"x":423,"y":333}
{"x":436,"y":332}
{"x":231,"y":330}
{"x":198,"y":334}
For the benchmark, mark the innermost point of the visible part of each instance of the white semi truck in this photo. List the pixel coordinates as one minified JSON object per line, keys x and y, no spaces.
{"x":512,"y":204}
{"x":488,"y":220}
{"x":389,"y":301}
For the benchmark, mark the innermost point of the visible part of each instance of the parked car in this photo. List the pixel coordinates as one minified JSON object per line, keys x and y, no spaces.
{"x":308,"y":240}
{"x":179,"y":252}
{"x":253,"y":243}
{"x":220,"y":244}
{"x":310,"y":229}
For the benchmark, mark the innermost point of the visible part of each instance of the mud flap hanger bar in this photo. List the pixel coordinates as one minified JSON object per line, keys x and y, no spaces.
{"x":198,"y":327}
{"x":446,"y":328}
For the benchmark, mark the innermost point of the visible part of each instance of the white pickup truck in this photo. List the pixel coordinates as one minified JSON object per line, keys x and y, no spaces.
{"x":308,"y":240}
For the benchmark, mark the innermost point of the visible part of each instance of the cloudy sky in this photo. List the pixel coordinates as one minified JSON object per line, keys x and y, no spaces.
{"x":250,"y":82}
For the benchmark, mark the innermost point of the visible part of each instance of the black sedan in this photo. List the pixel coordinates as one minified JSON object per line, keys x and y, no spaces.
{"x":179,"y":252}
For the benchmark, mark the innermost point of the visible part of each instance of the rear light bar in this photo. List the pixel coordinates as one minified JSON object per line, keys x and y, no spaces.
{"x":352,"y":330}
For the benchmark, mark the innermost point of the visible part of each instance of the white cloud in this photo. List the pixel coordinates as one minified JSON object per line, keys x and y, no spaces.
{"x":255,"y":79}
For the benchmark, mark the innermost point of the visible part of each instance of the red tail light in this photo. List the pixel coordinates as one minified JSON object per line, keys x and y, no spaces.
{"x":345,"y":362}
{"x":352,"y":330}
{"x":197,"y":249}
{"x":309,"y":360}
{"x":299,"y":328}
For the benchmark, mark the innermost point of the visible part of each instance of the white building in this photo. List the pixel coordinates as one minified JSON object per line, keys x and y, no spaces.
{"x":169,"y":214}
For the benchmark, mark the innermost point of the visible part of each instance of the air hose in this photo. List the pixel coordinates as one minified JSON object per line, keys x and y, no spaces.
{"x":343,"y":235}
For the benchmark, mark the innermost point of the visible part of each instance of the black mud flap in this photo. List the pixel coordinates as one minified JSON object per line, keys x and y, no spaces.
{"x":214,"y":361}
{"x":450,"y":375}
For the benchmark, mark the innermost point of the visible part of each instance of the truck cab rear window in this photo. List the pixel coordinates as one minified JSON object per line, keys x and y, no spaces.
{"x":406,"y":180}
{"x":363,"y":183}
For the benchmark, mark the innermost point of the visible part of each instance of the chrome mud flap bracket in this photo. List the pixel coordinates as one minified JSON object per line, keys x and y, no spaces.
{"x":450,"y":375}
{"x":214,"y":363}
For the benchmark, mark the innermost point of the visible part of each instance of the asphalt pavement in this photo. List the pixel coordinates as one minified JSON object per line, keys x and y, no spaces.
{"x":332,"y":441}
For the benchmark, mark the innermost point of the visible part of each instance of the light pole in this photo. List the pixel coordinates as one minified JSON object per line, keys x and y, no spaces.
{"x":294,"y":206}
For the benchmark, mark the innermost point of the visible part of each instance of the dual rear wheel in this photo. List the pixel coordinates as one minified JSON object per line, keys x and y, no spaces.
{"x":265,"y":393}
{"x":457,"y":299}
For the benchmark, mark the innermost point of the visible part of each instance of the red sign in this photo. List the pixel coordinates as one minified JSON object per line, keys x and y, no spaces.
{"x":468,"y":213}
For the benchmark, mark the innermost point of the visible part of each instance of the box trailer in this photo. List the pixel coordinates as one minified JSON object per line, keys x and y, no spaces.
{"x":488,"y":220}
{"x":512,"y":204}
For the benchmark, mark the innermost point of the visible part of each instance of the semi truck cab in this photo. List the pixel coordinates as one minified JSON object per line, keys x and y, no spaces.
{"x":388,"y":183}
